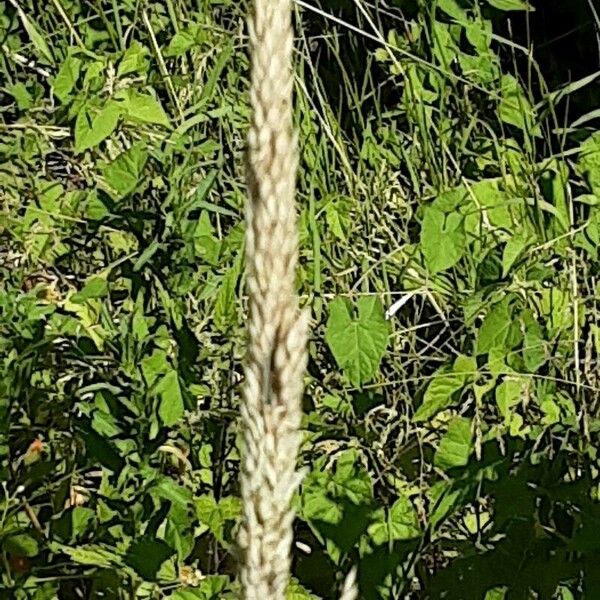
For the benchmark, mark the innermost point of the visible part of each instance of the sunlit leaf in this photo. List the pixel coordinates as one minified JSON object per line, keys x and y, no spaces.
{"x":91,"y":128}
{"x":171,"y":406}
{"x":455,"y":446}
{"x":357,"y":341}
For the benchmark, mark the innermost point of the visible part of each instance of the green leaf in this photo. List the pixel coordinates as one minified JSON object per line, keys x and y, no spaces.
{"x":297,"y":592}
{"x":465,"y":365}
{"x":22,"y":96}
{"x":534,"y":344}
{"x":105,"y":424}
{"x":66,"y":78}
{"x":336,"y":501}
{"x":442,"y":389}
{"x":454,"y":10}
{"x":179,"y":537}
{"x":171,"y":406}
{"x":443,"y":500}
{"x":479,"y":34}
{"x":456,"y":445}
{"x":143,"y":107}
{"x":515,"y":108}
{"x":551,"y":411}
{"x":557,"y":309}
{"x":95,"y":209}
{"x":96,"y":287}
{"x":225,"y":307}
{"x":324,"y":492}
{"x":210,"y":588}
{"x":123,"y":173}
{"x":496,"y":593}
{"x":215,"y":515}
{"x":206,"y":245}
{"x":37,"y":38}
{"x":513,"y":249}
{"x":509,"y":394}
{"x":90,"y":131}
{"x":169,"y":490}
{"x":564,"y":593}
{"x":400,"y":522}
{"x":180,"y":43}
{"x":215,"y":73}
{"x":151,"y":249}
{"x":338,"y":216}
{"x":147,"y":556}
{"x":154,"y":365}
{"x":358,"y":342}
{"x":81,"y":518}
{"x":494,"y":330}
{"x":444,"y":46}
{"x":495,"y":203}
{"x":95,"y":76}
{"x":187,"y":594}
{"x":21,"y":544}
{"x":589,"y":162}
{"x":134,"y":60}
{"x":443,"y":240}
{"x":439,"y":395}
{"x":92,"y":554}
{"x":351,"y":479}
{"x":510,"y":4}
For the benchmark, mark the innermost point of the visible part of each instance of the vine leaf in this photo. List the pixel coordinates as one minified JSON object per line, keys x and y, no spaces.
{"x":357,"y":342}
{"x":455,"y":447}
{"x":441,"y":392}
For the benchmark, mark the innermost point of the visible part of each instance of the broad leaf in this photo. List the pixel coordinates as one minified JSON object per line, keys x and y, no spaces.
{"x":509,"y":394}
{"x":171,"y":407}
{"x":134,"y":60}
{"x":325,"y":492}
{"x":495,"y":327}
{"x":91,"y":129}
{"x":534,"y":344}
{"x":515,"y":108}
{"x":123,"y":173}
{"x":357,"y":342}
{"x":215,"y":515}
{"x":589,"y":162}
{"x":21,"y":544}
{"x":454,"y":10}
{"x":66,"y":78}
{"x":154,"y":365}
{"x":513,"y":250}
{"x":181,"y":42}
{"x":455,"y":447}
{"x":443,"y":240}
{"x":400,"y":522}
{"x":147,"y":555}
{"x":143,"y":107}
{"x":441,"y":392}
{"x":169,"y":490}
{"x":96,"y":287}
{"x":297,"y":592}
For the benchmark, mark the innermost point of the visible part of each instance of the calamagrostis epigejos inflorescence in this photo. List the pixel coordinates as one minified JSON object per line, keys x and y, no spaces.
{"x":271,"y":404}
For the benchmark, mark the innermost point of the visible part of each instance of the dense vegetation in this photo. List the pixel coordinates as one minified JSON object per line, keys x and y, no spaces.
{"x":449,"y":191}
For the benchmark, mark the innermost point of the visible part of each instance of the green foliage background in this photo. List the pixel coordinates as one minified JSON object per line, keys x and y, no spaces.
{"x":448,"y":193}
